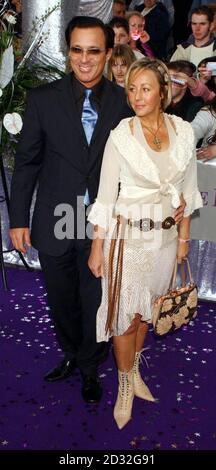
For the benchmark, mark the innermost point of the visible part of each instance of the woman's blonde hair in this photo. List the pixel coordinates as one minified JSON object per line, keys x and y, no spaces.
{"x":129,"y":15}
{"x":160,"y":70}
{"x":120,"y":51}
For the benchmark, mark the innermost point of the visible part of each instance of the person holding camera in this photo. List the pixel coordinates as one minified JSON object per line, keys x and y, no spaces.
{"x":183,"y":103}
{"x":139,"y":38}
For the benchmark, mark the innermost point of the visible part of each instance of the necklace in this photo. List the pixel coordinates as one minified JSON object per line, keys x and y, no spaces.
{"x":156,"y":141}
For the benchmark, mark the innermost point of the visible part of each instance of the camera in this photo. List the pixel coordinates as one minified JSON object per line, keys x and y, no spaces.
{"x":135,"y":35}
{"x":178,"y":81}
{"x":211,"y":67}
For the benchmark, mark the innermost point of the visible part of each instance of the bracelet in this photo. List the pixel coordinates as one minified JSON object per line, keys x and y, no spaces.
{"x":182,"y":240}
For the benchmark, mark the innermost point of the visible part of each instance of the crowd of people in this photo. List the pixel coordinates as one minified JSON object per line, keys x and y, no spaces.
{"x":112,"y":147}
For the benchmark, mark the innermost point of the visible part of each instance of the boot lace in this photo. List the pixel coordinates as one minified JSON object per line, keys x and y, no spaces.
{"x":124,"y":390}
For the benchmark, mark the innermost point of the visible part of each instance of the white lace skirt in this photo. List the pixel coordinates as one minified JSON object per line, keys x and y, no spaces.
{"x":146,"y":273}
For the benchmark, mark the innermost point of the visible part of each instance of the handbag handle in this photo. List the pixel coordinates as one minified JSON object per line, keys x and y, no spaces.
{"x":183,"y":276}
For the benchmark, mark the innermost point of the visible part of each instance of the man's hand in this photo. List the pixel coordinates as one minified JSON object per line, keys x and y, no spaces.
{"x":179,"y":212}
{"x":20,"y":238}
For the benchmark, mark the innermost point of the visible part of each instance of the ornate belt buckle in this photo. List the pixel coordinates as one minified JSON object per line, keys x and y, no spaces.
{"x":168,"y":223}
{"x":146,"y":224}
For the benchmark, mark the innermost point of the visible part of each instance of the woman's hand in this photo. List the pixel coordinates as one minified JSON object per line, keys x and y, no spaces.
{"x":96,"y":261}
{"x":182,"y":251}
{"x":206,"y":153}
{"x":179,"y":212}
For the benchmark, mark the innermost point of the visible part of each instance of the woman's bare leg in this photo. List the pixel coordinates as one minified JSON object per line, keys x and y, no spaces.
{"x":125,"y":346}
{"x":140,"y":388}
{"x":142,"y":331}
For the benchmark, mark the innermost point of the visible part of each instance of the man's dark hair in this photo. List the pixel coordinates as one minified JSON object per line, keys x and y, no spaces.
{"x":182,"y":66}
{"x":84,"y":22}
{"x":119,"y":22}
{"x":203,"y":10}
{"x":110,"y":36}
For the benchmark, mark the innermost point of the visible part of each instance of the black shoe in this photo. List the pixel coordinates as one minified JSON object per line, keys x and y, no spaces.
{"x":91,"y":389}
{"x":62,"y":371}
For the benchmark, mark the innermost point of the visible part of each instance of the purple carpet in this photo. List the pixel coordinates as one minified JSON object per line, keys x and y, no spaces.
{"x":181,"y":373}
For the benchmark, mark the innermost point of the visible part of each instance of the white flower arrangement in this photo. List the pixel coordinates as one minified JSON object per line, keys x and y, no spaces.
{"x":18,"y":75}
{"x":10,"y":17}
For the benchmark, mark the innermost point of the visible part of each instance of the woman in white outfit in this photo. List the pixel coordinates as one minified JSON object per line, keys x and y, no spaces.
{"x":149,"y":161}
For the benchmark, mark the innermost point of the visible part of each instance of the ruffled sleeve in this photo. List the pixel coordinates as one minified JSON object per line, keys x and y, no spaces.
{"x":101,"y":214}
{"x":191,"y":192}
{"x":102,"y":210}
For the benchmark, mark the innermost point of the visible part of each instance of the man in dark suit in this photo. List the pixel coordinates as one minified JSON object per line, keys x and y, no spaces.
{"x":54,"y":151}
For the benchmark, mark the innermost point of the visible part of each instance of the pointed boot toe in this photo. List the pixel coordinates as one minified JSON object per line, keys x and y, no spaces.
{"x":142,"y":391}
{"x":121,"y":420}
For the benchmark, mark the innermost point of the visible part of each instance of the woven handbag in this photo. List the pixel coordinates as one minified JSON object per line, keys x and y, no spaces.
{"x":178,"y":306}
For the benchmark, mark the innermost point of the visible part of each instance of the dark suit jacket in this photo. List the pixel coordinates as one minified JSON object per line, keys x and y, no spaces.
{"x":53,"y":150}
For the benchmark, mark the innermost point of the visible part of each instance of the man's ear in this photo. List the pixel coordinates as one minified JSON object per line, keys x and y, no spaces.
{"x":108,"y":54}
{"x":211,"y":26}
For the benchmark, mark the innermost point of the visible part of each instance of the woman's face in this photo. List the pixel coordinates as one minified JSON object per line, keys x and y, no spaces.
{"x":136,"y":26}
{"x":144,"y":93}
{"x":119,"y":70}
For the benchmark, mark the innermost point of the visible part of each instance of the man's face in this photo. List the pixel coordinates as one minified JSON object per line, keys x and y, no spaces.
{"x":201,"y":27}
{"x":88,"y":55}
{"x":118,"y":10}
{"x":149,"y":3}
{"x":121,"y":36}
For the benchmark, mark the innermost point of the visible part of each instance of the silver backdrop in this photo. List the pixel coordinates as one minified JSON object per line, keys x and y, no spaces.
{"x":53,"y":49}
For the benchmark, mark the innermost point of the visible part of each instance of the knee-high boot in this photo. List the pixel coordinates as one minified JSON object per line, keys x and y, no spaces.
{"x":124,"y":402}
{"x":140,"y":388}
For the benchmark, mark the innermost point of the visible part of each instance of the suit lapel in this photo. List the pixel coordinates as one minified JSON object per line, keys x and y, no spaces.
{"x":67,"y":103}
{"x":105,"y":113}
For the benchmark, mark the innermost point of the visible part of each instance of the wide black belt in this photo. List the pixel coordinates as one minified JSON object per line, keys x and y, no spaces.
{"x":147,"y":224}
